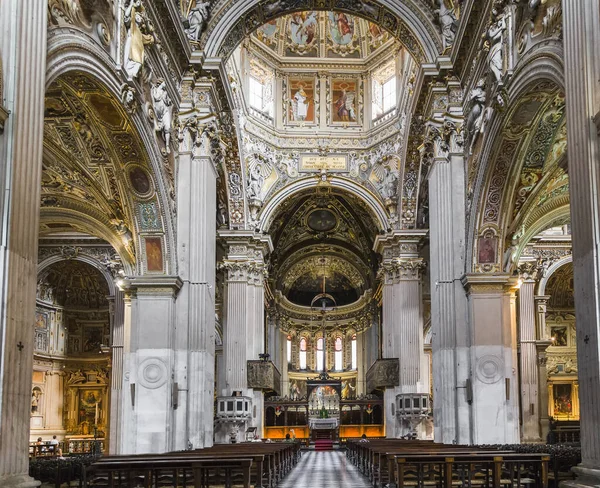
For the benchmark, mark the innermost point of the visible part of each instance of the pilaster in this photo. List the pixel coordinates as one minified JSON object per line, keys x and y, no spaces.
{"x":148,"y":364}
{"x":116,"y":382}
{"x":542,"y":344}
{"x":493,"y":382}
{"x":23,"y":50}
{"x":244,"y":330}
{"x":581,"y":37}
{"x":402,"y":330}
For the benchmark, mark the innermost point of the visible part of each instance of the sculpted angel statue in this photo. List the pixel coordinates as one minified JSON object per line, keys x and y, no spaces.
{"x":448,"y":24}
{"x":139,"y":35}
{"x":495,"y":35}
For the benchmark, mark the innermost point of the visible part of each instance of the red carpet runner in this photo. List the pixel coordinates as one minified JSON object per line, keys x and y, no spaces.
{"x":323,"y":445}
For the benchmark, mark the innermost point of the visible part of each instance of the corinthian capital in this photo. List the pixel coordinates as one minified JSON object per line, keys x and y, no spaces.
{"x":398,"y":270}
{"x":251,"y":272}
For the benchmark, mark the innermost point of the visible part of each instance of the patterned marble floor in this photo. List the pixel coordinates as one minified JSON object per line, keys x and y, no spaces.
{"x":328,"y":469}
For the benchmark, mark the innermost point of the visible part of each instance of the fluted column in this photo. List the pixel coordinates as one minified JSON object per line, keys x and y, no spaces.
{"x":448,"y":301}
{"x":528,"y":363}
{"x":402,"y":331}
{"x":542,"y":344}
{"x":23,"y":51}
{"x":244,"y":328}
{"x":116,"y":381}
{"x":196,"y":254}
{"x":581,"y":38}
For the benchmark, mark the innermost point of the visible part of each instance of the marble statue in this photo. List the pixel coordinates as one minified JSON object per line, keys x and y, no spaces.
{"x":448,"y":23}
{"x":389,"y":185}
{"x":495,"y":36}
{"x":163,"y":111}
{"x":510,"y":255}
{"x":196,"y":18}
{"x":139,"y":35}
{"x":255,"y":182}
{"x":128,"y":98}
{"x":474,"y":123}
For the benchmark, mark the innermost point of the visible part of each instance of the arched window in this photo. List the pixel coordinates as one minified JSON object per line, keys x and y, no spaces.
{"x":320,"y":354}
{"x":354,"y":361}
{"x":303,"y":353}
{"x":339,"y":363}
{"x":289,"y":349}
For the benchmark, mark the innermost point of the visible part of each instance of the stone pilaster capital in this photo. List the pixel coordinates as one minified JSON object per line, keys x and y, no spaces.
{"x":251,"y":272}
{"x":151,"y":286}
{"x":397,"y":270}
{"x":400,"y":244}
{"x":530,"y":271}
{"x":244,"y":245}
{"x":541,"y":303}
{"x":487,"y":284}
{"x":444,"y":136}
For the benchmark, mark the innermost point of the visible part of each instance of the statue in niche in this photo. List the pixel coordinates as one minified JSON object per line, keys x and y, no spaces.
{"x":163,"y":111}
{"x":495,"y":37}
{"x":389,"y":185}
{"x":474,"y":123}
{"x":139,"y":34}
{"x":197,"y":16}
{"x":448,"y":23}
{"x":255,"y":182}
{"x":35,"y":399}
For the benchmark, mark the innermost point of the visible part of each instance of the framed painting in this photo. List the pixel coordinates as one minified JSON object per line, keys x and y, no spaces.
{"x":301,"y":97}
{"x":345,"y":97}
{"x":154,"y":254}
{"x":486,"y":250}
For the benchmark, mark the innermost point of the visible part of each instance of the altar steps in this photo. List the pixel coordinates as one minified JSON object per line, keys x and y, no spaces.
{"x":323,"y":445}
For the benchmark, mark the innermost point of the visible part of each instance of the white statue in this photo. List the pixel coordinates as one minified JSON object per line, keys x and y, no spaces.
{"x":128,"y":98}
{"x":197,"y":17}
{"x":255,"y":182}
{"x":163,"y":111}
{"x":389,"y":182}
{"x":474,"y":123}
{"x":510,"y":255}
{"x":495,"y":36}
{"x":448,"y":23}
{"x":139,"y":34}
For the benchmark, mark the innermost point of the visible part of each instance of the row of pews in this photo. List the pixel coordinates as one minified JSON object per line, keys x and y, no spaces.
{"x":257,"y":464}
{"x":396,"y":463}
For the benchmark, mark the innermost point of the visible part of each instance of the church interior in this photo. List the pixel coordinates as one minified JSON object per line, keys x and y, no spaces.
{"x":299,"y":222}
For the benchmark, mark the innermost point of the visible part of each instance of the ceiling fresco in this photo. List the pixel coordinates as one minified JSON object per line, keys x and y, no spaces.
{"x":560,"y":289}
{"x":95,"y":167}
{"x":315,"y":34}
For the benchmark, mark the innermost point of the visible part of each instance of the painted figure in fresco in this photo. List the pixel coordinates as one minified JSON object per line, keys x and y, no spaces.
{"x":342,"y":28}
{"x":197,"y":17}
{"x":348,"y":390}
{"x":303,"y":27}
{"x":300,"y":104}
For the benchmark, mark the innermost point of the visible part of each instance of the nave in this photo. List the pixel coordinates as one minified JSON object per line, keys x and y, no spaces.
{"x":324,"y":469}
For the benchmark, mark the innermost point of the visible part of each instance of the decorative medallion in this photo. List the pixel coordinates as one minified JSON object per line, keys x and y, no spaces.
{"x":139,"y":180}
{"x":489,"y":369}
{"x":322,"y":220}
{"x":152,"y":373}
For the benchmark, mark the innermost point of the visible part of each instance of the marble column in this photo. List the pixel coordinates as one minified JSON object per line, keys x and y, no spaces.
{"x":581,"y":38}
{"x":542,"y":344}
{"x":402,"y":331}
{"x":450,"y":352}
{"x":23,"y":50}
{"x":493,"y":355}
{"x":116,"y":381}
{"x":244,"y":331}
{"x":196,"y":254}
{"x":148,"y":423}
{"x":528,"y":362}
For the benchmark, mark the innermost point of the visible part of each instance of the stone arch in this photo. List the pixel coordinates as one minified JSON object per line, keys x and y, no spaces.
{"x":551,"y":270}
{"x":46,"y":263}
{"x":72,"y":52}
{"x":409,"y":21}
{"x":500,"y":156}
{"x":371,"y":201}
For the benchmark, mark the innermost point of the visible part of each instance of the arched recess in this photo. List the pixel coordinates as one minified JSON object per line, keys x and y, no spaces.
{"x":72,"y":52}
{"x":538,"y":79}
{"x":411,"y":21}
{"x":551,"y":270}
{"x":336,"y":183}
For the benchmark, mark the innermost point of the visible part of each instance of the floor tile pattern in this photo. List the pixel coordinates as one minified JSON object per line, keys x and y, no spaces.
{"x":329,"y":469}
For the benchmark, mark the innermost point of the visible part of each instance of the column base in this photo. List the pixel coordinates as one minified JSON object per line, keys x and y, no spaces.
{"x":19,"y":481}
{"x":586,"y":477}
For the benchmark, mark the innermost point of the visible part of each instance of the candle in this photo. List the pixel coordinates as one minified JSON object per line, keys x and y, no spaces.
{"x":96,"y":416}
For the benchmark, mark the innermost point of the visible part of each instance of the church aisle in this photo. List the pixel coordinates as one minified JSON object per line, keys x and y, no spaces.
{"x":325,"y":469}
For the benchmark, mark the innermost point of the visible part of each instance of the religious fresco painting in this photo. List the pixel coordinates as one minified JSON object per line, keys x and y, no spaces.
{"x":344,"y":98}
{"x":301,"y":96}
{"x":41,"y":320}
{"x":303,"y":28}
{"x":559,"y":336}
{"x":297,"y":389}
{"x":486,"y":250}
{"x":349,"y":389}
{"x":139,"y":180}
{"x":267,"y":33}
{"x":341,"y":28}
{"x":154,"y":254}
